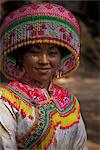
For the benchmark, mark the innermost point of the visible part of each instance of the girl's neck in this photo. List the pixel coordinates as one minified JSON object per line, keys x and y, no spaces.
{"x":26,"y":79}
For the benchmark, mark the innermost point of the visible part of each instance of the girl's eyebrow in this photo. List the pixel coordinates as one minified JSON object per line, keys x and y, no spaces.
{"x":52,"y":47}
{"x":37,"y":46}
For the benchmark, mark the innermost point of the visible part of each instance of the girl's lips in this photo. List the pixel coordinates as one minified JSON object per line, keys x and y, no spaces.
{"x":43,"y":70}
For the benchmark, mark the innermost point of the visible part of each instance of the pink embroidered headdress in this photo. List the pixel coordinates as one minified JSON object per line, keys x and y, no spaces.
{"x":39,"y":23}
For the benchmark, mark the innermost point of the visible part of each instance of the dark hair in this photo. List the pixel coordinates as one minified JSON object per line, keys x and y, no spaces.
{"x":19,"y":53}
{"x":64,"y":51}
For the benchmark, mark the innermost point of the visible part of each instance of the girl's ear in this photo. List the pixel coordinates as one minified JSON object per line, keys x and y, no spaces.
{"x":20,"y":56}
{"x":20,"y":59}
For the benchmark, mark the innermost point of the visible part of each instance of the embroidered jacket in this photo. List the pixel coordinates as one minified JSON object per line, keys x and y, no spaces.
{"x":30,"y":118}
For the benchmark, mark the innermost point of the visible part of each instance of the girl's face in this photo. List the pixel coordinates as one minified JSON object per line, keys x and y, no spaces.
{"x":41,"y":62}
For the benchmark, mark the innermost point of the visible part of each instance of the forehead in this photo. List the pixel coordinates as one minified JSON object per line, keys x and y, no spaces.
{"x":44,"y":45}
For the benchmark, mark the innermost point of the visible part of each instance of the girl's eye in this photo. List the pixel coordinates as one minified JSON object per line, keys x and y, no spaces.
{"x":52,"y":53}
{"x":34,"y":52}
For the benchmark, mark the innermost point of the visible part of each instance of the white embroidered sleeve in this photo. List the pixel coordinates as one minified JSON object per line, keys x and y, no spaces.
{"x":81,"y":137}
{"x":7,"y":127}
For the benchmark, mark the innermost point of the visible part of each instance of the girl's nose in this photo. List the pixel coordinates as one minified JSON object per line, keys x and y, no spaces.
{"x":43,"y":59}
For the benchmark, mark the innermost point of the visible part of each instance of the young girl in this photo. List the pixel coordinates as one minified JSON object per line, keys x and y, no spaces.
{"x":40,"y":43}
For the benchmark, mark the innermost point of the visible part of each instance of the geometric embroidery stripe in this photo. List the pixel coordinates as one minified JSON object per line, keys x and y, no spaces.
{"x":17,"y":102}
{"x":34,"y":18}
{"x":69,"y":119}
{"x":20,"y":95}
{"x":62,"y":112}
{"x":68,"y":108}
{"x":72,"y":118}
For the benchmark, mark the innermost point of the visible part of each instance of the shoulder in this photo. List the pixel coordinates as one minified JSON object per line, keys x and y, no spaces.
{"x":64,"y":97}
{"x":6,"y":92}
{"x":7,"y":96}
{"x":68,"y":107}
{"x":13,"y":93}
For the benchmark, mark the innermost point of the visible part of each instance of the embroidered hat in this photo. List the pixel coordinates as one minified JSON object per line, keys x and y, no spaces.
{"x":40,"y":23}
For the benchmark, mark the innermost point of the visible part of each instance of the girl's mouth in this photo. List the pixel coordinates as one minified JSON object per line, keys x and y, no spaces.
{"x":43,"y":70}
